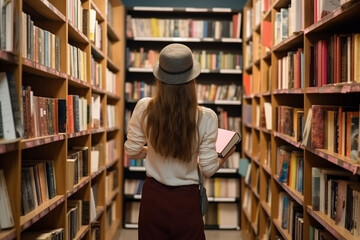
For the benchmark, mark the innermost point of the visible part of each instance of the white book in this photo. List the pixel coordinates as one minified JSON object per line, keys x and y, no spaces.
{"x":6,"y":217}
{"x":95,"y":157}
{"x":6,"y":109}
{"x":92,"y":206}
{"x":92,"y":24}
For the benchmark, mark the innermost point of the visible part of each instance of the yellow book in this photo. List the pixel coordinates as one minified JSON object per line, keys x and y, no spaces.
{"x":154,"y":27}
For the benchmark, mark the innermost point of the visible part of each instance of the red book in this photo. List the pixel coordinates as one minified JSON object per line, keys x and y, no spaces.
{"x":247,"y":84}
{"x":226,"y":139}
{"x":70,"y":114}
{"x":266,"y":36}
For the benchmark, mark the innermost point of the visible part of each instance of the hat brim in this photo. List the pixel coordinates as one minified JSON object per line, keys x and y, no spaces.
{"x":178,"y":78}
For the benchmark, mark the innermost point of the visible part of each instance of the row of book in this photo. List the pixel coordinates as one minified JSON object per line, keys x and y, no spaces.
{"x":334,"y":128}
{"x":76,"y":166}
{"x":205,"y":92}
{"x":185,"y":28}
{"x":290,"y":215}
{"x":78,"y":115}
{"x":288,"y":21}
{"x":77,"y":15}
{"x":324,"y":7}
{"x":209,"y":60}
{"x":77,"y":62}
{"x":226,"y":121}
{"x":43,"y":116}
{"x":215,"y":92}
{"x":291,"y":70}
{"x":40,"y":45}
{"x":335,"y":59}
{"x":77,"y":215}
{"x":290,"y":121}
{"x":290,"y":167}
{"x":336,"y":193}
{"x":85,"y":21}
{"x":38,"y":184}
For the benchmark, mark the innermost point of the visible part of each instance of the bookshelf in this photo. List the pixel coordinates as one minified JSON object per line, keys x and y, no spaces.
{"x":295,"y":84}
{"x":63,"y":172}
{"x":219,"y":51}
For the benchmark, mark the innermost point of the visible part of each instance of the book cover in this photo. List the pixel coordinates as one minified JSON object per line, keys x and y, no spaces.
{"x":226,"y":139}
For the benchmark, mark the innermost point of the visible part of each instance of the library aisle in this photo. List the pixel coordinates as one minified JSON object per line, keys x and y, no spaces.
{"x":131,"y":234}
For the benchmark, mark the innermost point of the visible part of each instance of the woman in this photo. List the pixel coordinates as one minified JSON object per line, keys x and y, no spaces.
{"x":172,"y":133}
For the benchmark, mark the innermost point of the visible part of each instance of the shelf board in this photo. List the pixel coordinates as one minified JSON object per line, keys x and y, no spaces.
{"x":113,"y":195}
{"x":41,"y":70}
{"x":75,"y":82}
{"x":336,"y":18}
{"x":222,"y":71}
{"x":79,"y":134}
{"x":98,"y":130}
{"x":46,"y":9}
{"x":266,"y":207}
{"x":284,"y":233}
{"x":329,"y":224}
{"x":291,"y":42}
{"x":112,"y":163}
{"x":131,"y":225}
{"x":8,"y":234}
{"x":40,"y":211}
{"x":297,"y":196}
{"x":96,"y":52}
{"x":339,"y":160}
{"x":227,"y":170}
{"x":76,"y":34}
{"x":83,"y":181}
{"x":289,"y":91}
{"x":8,"y":57}
{"x":113,"y":36}
{"x":288,"y":139}
{"x":9,"y":145}
{"x":112,"y":65}
{"x":223,"y":199}
{"x":347,"y":87}
{"x":82,"y":231}
{"x":98,"y":172}
{"x":34,"y":142}
{"x":137,"y":168}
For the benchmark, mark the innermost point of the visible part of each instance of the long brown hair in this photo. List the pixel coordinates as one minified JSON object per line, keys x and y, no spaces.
{"x":172,"y":120}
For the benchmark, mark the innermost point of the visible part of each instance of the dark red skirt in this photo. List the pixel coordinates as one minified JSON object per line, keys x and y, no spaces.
{"x":170,"y":212}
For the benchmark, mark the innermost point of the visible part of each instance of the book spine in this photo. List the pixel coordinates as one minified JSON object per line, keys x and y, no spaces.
{"x":50,"y":174}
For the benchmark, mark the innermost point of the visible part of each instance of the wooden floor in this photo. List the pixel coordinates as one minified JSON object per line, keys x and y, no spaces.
{"x":129,"y":234}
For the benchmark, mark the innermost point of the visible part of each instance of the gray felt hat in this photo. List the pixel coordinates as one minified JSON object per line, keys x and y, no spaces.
{"x":176,"y":65}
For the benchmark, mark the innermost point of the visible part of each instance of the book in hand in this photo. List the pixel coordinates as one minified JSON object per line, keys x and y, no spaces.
{"x":226,"y":139}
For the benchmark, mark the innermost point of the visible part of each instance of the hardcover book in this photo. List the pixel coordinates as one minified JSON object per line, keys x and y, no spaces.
{"x":226,"y":140}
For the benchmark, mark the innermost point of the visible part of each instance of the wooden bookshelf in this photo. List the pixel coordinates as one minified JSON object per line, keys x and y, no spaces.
{"x":271,"y":73}
{"x":217,"y":47}
{"x":52,"y":54}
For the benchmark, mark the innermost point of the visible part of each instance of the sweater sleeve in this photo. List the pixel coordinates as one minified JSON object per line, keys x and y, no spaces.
{"x":208,"y":156}
{"x":136,"y":137}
